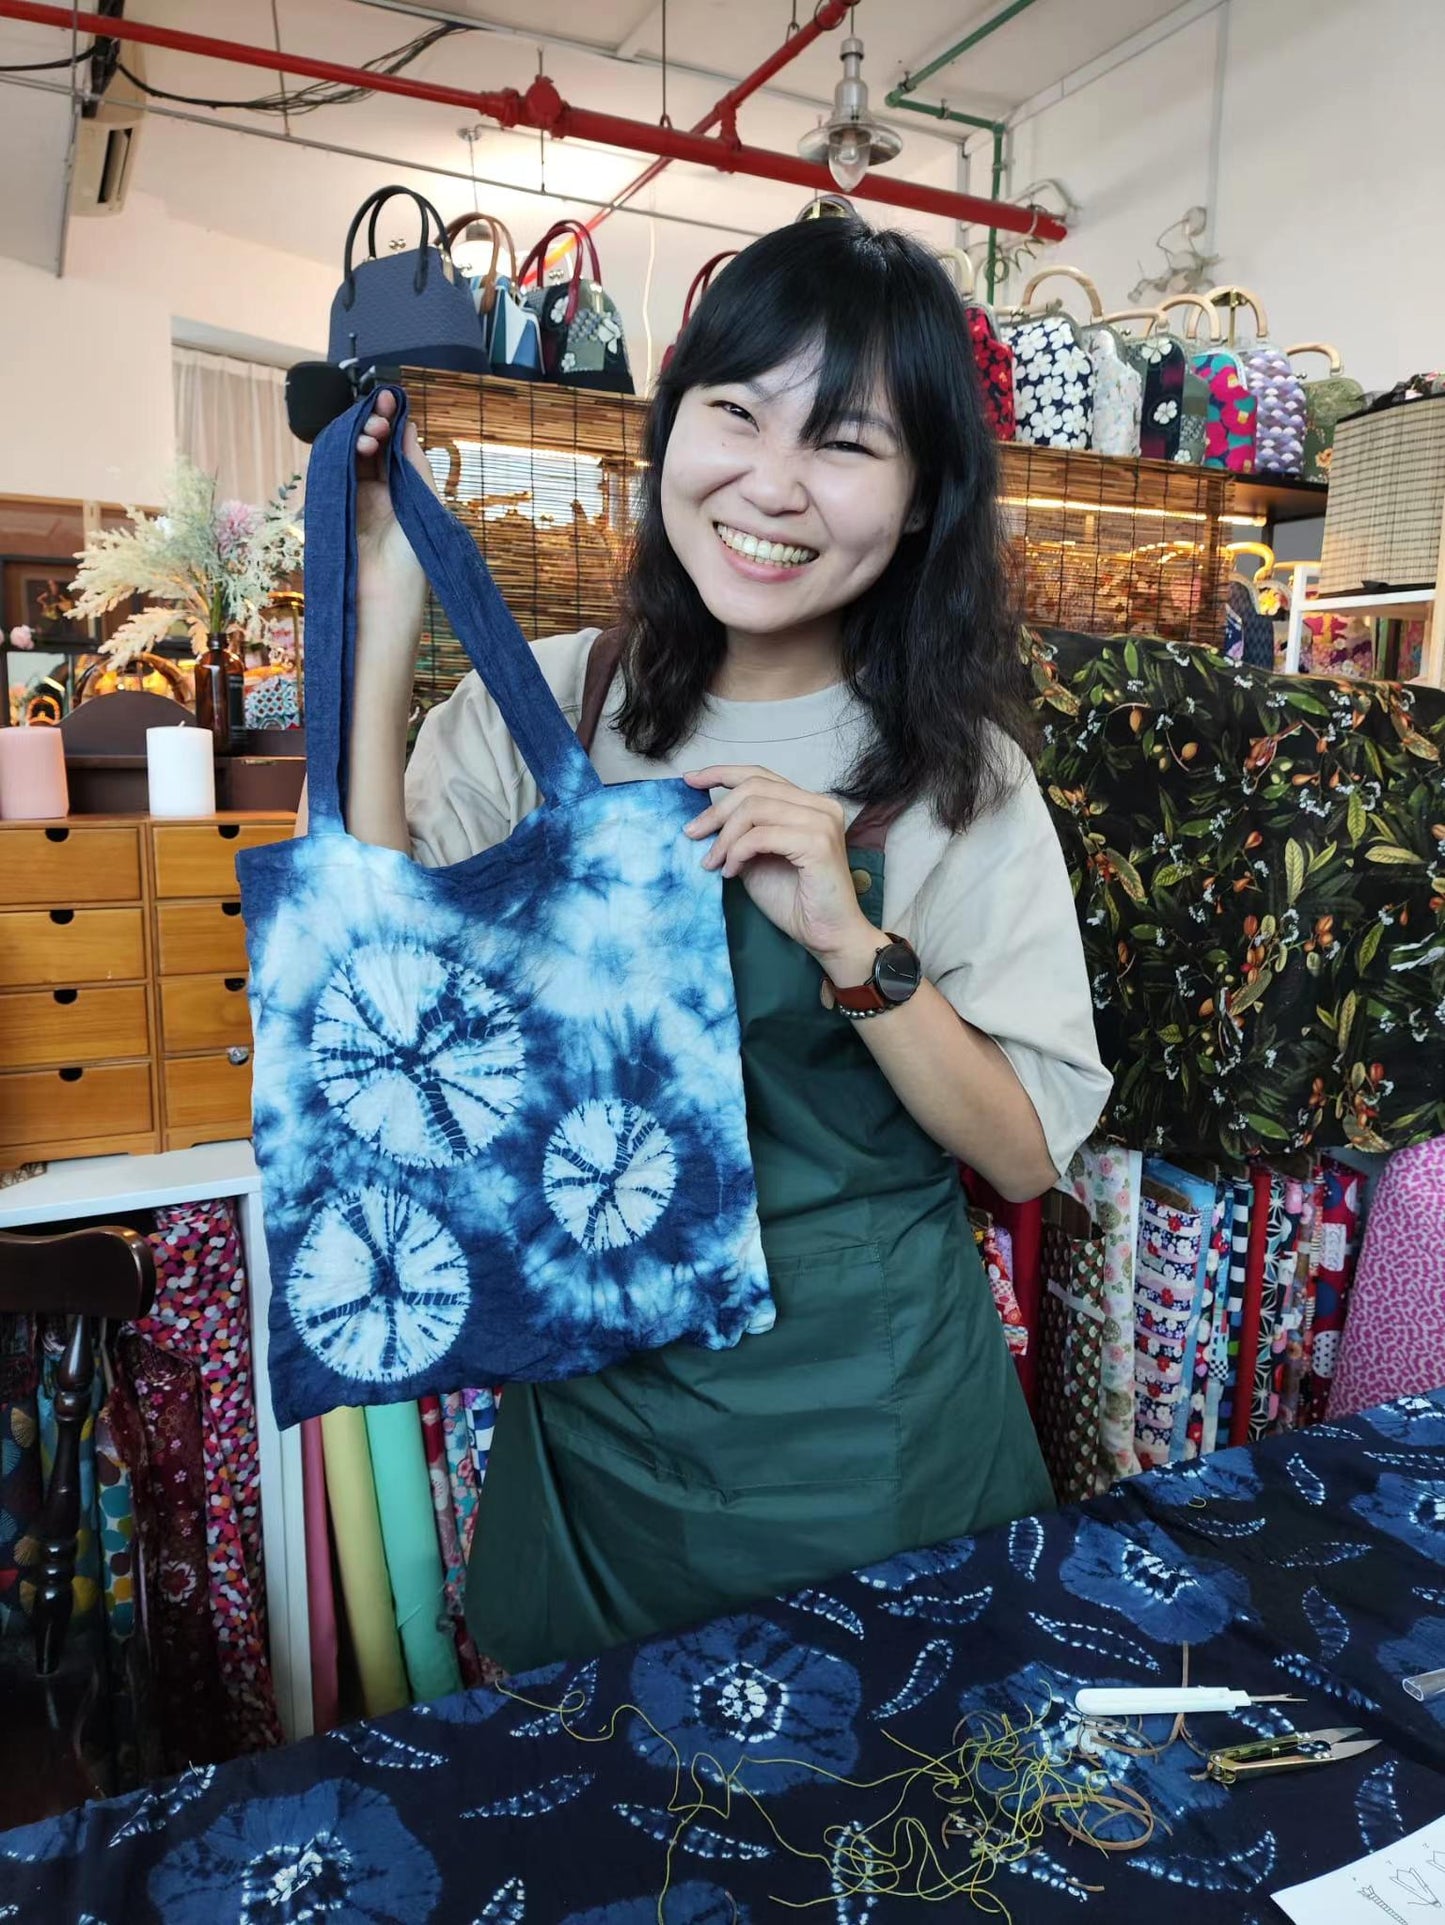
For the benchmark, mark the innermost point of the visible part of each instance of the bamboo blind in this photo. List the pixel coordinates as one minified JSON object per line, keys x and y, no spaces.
{"x":545,"y":478}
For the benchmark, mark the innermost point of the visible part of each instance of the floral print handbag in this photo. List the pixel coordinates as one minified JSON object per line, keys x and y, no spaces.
{"x":992,"y":357}
{"x":1053,"y":375}
{"x":1118,"y":391}
{"x":1229,"y":425}
{"x":498,"y":1105}
{"x":1277,"y":389}
{"x":1327,"y":402}
{"x":582,"y":340}
{"x":1170,"y":390}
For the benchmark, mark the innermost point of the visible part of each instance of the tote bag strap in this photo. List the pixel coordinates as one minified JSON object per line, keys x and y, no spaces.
{"x":483,"y":623}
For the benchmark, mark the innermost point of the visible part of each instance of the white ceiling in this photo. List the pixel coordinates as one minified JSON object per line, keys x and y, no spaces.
{"x":603,"y":54}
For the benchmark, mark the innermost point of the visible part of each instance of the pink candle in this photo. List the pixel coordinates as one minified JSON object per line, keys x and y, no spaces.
{"x":32,"y":774}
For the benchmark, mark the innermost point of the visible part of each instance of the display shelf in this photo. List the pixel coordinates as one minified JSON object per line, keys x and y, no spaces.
{"x":1279,"y":498}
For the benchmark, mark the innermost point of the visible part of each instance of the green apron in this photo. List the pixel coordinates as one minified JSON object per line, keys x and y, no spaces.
{"x":881,"y":1414}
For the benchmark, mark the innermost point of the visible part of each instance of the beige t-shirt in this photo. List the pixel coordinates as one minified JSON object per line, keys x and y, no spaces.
{"x":989,"y":910}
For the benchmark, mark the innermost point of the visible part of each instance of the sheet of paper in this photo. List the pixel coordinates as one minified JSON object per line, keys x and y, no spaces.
{"x":1388,"y":1888}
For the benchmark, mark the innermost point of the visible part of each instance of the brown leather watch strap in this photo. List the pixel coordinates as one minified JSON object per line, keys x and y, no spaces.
{"x":867,"y":999}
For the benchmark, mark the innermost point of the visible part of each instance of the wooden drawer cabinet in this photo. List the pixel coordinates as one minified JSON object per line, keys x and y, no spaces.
{"x":59,"y":864}
{"x":200,"y":938}
{"x":60,"y":948}
{"x":199,"y":858}
{"x":124,"y":1021}
{"x":207,"y":1098}
{"x":59,"y":1027}
{"x":65,"y":1112}
{"x":198,"y":1012}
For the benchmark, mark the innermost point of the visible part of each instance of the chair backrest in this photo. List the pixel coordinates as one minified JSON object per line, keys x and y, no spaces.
{"x":106,"y":1271}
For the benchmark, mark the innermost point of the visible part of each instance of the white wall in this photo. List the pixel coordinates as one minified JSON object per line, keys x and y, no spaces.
{"x":88,"y":409}
{"x":1331,"y":181}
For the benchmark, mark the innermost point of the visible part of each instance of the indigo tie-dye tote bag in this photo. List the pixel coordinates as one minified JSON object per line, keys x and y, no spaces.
{"x":498,"y":1106}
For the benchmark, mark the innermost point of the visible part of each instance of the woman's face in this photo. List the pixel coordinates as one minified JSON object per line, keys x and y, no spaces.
{"x":777,"y":533}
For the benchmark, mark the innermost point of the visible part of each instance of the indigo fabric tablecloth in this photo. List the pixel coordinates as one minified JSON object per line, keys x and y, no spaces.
{"x":1314,"y":1563}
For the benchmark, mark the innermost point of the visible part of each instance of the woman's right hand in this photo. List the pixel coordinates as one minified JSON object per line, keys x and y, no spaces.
{"x":390,"y":585}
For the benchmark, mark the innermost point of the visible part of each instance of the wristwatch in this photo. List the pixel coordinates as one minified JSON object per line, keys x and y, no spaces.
{"x":897,"y":972}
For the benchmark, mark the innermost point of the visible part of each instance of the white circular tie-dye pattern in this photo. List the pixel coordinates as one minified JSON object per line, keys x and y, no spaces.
{"x":420,"y":1055}
{"x":379,"y":1289}
{"x":608,"y":1174}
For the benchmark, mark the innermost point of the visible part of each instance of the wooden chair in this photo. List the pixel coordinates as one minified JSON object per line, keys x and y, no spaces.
{"x":85,"y":1274}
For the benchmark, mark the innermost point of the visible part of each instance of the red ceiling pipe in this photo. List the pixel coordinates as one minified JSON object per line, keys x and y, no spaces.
{"x":543,"y":107}
{"x":830,"y":15}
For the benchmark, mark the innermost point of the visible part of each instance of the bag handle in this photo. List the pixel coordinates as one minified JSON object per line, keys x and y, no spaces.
{"x":1235,"y":297}
{"x":702,"y":280}
{"x":1196,"y":306}
{"x":495,"y":645}
{"x":965,"y":274}
{"x":1153,"y":315}
{"x":374,"y":204}
{"x":1076,"y":274}
{"x":585,"y":251}
{"x":1316,"y":347}
{"x":500,"y":237}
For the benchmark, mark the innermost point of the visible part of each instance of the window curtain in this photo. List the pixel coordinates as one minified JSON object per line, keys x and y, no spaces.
{"x":231,"y":421}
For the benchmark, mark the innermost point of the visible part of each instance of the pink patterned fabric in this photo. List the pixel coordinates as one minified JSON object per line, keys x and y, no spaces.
{"x":202,"y":1314}
{"x":1394,"y":1338}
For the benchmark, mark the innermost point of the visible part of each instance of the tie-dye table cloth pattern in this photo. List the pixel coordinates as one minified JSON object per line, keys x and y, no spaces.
{"x":498,"y":1106}
{"x":1314,"y":1564}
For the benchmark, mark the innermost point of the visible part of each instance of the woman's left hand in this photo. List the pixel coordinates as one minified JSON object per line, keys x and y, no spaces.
{"x":788,"y":847}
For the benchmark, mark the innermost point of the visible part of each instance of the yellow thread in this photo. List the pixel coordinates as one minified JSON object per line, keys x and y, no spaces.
{"x":997,"y":1819}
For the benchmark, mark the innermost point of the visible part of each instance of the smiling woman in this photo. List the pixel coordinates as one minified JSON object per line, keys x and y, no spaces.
{"x":816,"y":636}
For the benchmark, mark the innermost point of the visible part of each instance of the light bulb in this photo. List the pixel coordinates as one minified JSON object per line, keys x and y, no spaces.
{"x":849,"y":151}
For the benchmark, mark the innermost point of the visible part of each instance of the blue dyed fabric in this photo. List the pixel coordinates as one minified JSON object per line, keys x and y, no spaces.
{"x":1312,"y":1564}
{"x":498,"y":1106}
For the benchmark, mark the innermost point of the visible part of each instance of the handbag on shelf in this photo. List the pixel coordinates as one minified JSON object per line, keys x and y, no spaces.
{"x":1194,"y":416}
{"x":1327,"y":401}
{"x":993,"y":358}
{"x":408,"y":309}
{"x":1169,"y":387}
{"x":1253,"y":605}
{"x":1387,"y":493}
{"x":499,"y":1106}
{"x":1118,"y":384}
{"x":582,"y":340}
{"x":1279,"y":391}
{"x":699,"y":285}
{"x":510,"y":334}
{"x":1231,"y":421}
{"x":1053,"y":375}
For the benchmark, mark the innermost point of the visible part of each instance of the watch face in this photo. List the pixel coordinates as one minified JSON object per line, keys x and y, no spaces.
{"x":897,"y":972}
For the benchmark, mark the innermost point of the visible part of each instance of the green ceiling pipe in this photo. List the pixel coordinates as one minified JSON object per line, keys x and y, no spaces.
{"x":969,"y":40}
{"x":994,"y":127}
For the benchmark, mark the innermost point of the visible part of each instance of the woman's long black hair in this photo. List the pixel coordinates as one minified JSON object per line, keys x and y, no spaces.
{"x":931,"y":649}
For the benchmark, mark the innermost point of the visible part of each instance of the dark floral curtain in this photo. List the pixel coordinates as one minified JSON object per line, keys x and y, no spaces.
{"x":1259,"y":864}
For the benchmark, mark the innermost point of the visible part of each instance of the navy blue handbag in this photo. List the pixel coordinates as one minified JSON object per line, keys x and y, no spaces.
{"x":409,"y":309}
{"x":498,"y":1107}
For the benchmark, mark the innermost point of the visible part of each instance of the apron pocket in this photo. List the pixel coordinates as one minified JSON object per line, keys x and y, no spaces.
{"x":810,"y":1405}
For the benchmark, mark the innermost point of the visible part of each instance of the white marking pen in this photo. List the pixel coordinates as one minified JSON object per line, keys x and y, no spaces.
{"x":1162,"y":1701}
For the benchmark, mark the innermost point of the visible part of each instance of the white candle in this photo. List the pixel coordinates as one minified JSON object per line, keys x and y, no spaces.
{"x":32,"y":774}
{"x":181,"y":771}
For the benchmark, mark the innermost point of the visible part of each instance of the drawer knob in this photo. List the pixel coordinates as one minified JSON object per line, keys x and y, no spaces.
{"x":230,"y":908}
{"x":66,"y":996}
{"x":57,"y":835}
{"x":62,"y":916}
{"x":71,"y":1075}
{"x":238,"y":1054}
{"x":233,"y":983}
{"x":230,"y":830}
